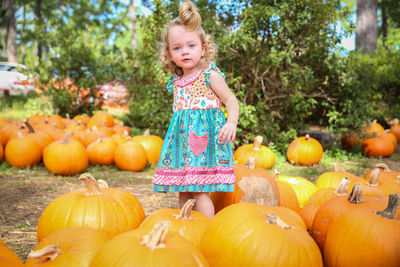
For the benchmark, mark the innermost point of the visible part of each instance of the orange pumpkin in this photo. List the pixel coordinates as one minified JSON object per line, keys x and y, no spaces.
{"x":395,"y":129}
{"x":332,"y":209}
{"x":1,"y":154}
{"x":74,"y":246}
{"x":384,"y":172}
{"x":378,"y":146}
{"x":373,"y":187}
{"x":365,"y":238}
{"x":372,"y":129}
{"x":42,"y":138}
{"x":304,"y":151}
{"x":151,"y":143}
{"x":130,"y":156}
{"x":145,"y":248}
{"x":110,"y":210}
{"x":22,"y":152}
{"x":8,"y":257}
{"x":248,"y":234}
{"x":253,"y":184}
{"x":188,"y":223}
{"x":351,"y":139}
{"x":101,"y":152}
{"x":320,"y":197}
{"x":101,"y":119}
{"x":265,"y":157}
{"x":65,"y":157}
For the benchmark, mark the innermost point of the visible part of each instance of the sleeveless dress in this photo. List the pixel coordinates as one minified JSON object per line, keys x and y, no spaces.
{"x":192,"y":159}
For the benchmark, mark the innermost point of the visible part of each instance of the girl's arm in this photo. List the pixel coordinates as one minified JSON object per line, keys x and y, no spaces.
{"x":221,"y":89}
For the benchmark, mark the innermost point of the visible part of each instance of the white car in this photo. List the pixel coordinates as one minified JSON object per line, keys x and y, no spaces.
{"x":14,"y":79}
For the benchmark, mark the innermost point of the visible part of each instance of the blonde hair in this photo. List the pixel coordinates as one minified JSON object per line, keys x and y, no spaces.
{"x":191,"y":20}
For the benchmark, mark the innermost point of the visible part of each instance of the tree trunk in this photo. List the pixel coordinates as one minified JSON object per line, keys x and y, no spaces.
{"x":132,"y":15}
{"x":38,"y":8}
{"x":11,"y":33}
{"x":367,"y":25}
{"x":384,"y":23}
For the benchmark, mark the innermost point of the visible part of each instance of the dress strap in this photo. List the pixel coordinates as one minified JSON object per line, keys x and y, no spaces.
{"x":207,"y":73}
{"x":170,"y":84}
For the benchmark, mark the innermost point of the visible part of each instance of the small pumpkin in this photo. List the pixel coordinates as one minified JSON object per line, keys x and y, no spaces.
{"x":253,"y":184}
{"x":189,"y":223}
{"x":265,"y":157}
{"x":152,"y":144}
{"x":65,"y":157}
{"x":22,"y":152}
{"x":149,"y":247}
{"x":395,"y":129}
{"x":248,"y":234}
{"x":74,"y":246}
{"x":304,"y":150}
{"x":101,"y":119}
{"x":384,"y":172}
{"x":357,"y":238}
{"x":333,"y":178}
{"x":130,"y":156}
{"x":101,"y":152}
{"x":110,"y":210}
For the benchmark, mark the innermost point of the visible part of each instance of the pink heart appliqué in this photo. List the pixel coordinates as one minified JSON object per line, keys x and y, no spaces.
{"x":197,"y":143}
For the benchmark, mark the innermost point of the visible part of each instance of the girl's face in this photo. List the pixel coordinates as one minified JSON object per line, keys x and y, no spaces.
{"x":185,"y":48}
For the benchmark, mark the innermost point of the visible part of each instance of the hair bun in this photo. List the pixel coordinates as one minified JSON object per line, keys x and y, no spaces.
{"x":189,"y":15}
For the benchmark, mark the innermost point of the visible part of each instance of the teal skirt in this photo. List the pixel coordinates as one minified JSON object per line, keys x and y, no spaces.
{"x":192,"y":159}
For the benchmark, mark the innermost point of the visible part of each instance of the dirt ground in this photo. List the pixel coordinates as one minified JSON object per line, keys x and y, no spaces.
{"x":25,"y":193}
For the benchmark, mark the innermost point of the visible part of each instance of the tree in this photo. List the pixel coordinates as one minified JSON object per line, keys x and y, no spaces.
{"x":11,"y":33}
{"x":367,"y":27}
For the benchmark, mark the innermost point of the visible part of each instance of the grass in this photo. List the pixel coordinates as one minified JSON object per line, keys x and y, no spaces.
{"x":21,"y":107}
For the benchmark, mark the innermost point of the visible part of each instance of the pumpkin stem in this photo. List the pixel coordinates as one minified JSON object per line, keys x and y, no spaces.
{"x":251,"y":163}
{"x":390,"y":211}
{"x":341,"y":190}
{"x":65,"y":139}
{"x":373,"y":178}
{"x":91,"y":184}
{"x":257,"y":142}
{"x":276,"y":174}
{"x":307,"y":137}
{"x":337,"y":166}
{"x":355,"y":196}
{"x":382,"y":166}
{"x":147,"y":132}
{"x":274,"y":219}
{"x":103,"y":184}
{"x":186,"y":209}
{"x":29,"y":126}
{"x":155,"y":238}
{"x":45,"y":254}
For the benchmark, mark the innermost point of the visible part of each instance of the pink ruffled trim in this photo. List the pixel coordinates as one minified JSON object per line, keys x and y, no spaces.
{"x":178,"y":81}
{"x":194,"y":175}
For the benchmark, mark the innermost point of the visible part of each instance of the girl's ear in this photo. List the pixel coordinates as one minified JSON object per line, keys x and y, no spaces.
{"x":203,"y":50}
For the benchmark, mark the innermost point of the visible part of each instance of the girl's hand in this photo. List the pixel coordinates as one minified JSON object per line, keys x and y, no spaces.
{"x":227,"y":133}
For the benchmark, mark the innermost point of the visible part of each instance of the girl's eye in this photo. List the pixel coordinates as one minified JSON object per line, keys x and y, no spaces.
{"x":192,"y":45}
{"x":175,"y":48}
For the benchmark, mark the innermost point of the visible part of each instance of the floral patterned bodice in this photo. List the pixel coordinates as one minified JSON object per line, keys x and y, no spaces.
{"x":194,"y":92}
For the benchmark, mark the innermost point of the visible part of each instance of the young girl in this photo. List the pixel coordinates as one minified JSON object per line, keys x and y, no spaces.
{"x":196,"y":157}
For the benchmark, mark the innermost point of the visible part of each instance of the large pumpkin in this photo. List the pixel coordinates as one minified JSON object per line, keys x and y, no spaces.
{"x":384,"y":172}
{"x":148,"y":248}
{"x":151,"y":143}
{"x":320,"y":197}
{"x":248,"y":234}
{"x":304,"y":150}
{"x":333,"y":178}
{"x":287,"y":196}
{"x":378,"y":146}
{"x":73,"y":246}
{"x":130,"y":156}
{"x":253,"y":184}
{"x":265,"y":157}
{"x":365,"y":238}
{"x":332,"y":209}
{"x":65,"y":157}
{"x":8,"y":257}
{"x":189,"y":223}
{"x":110,"y":210}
